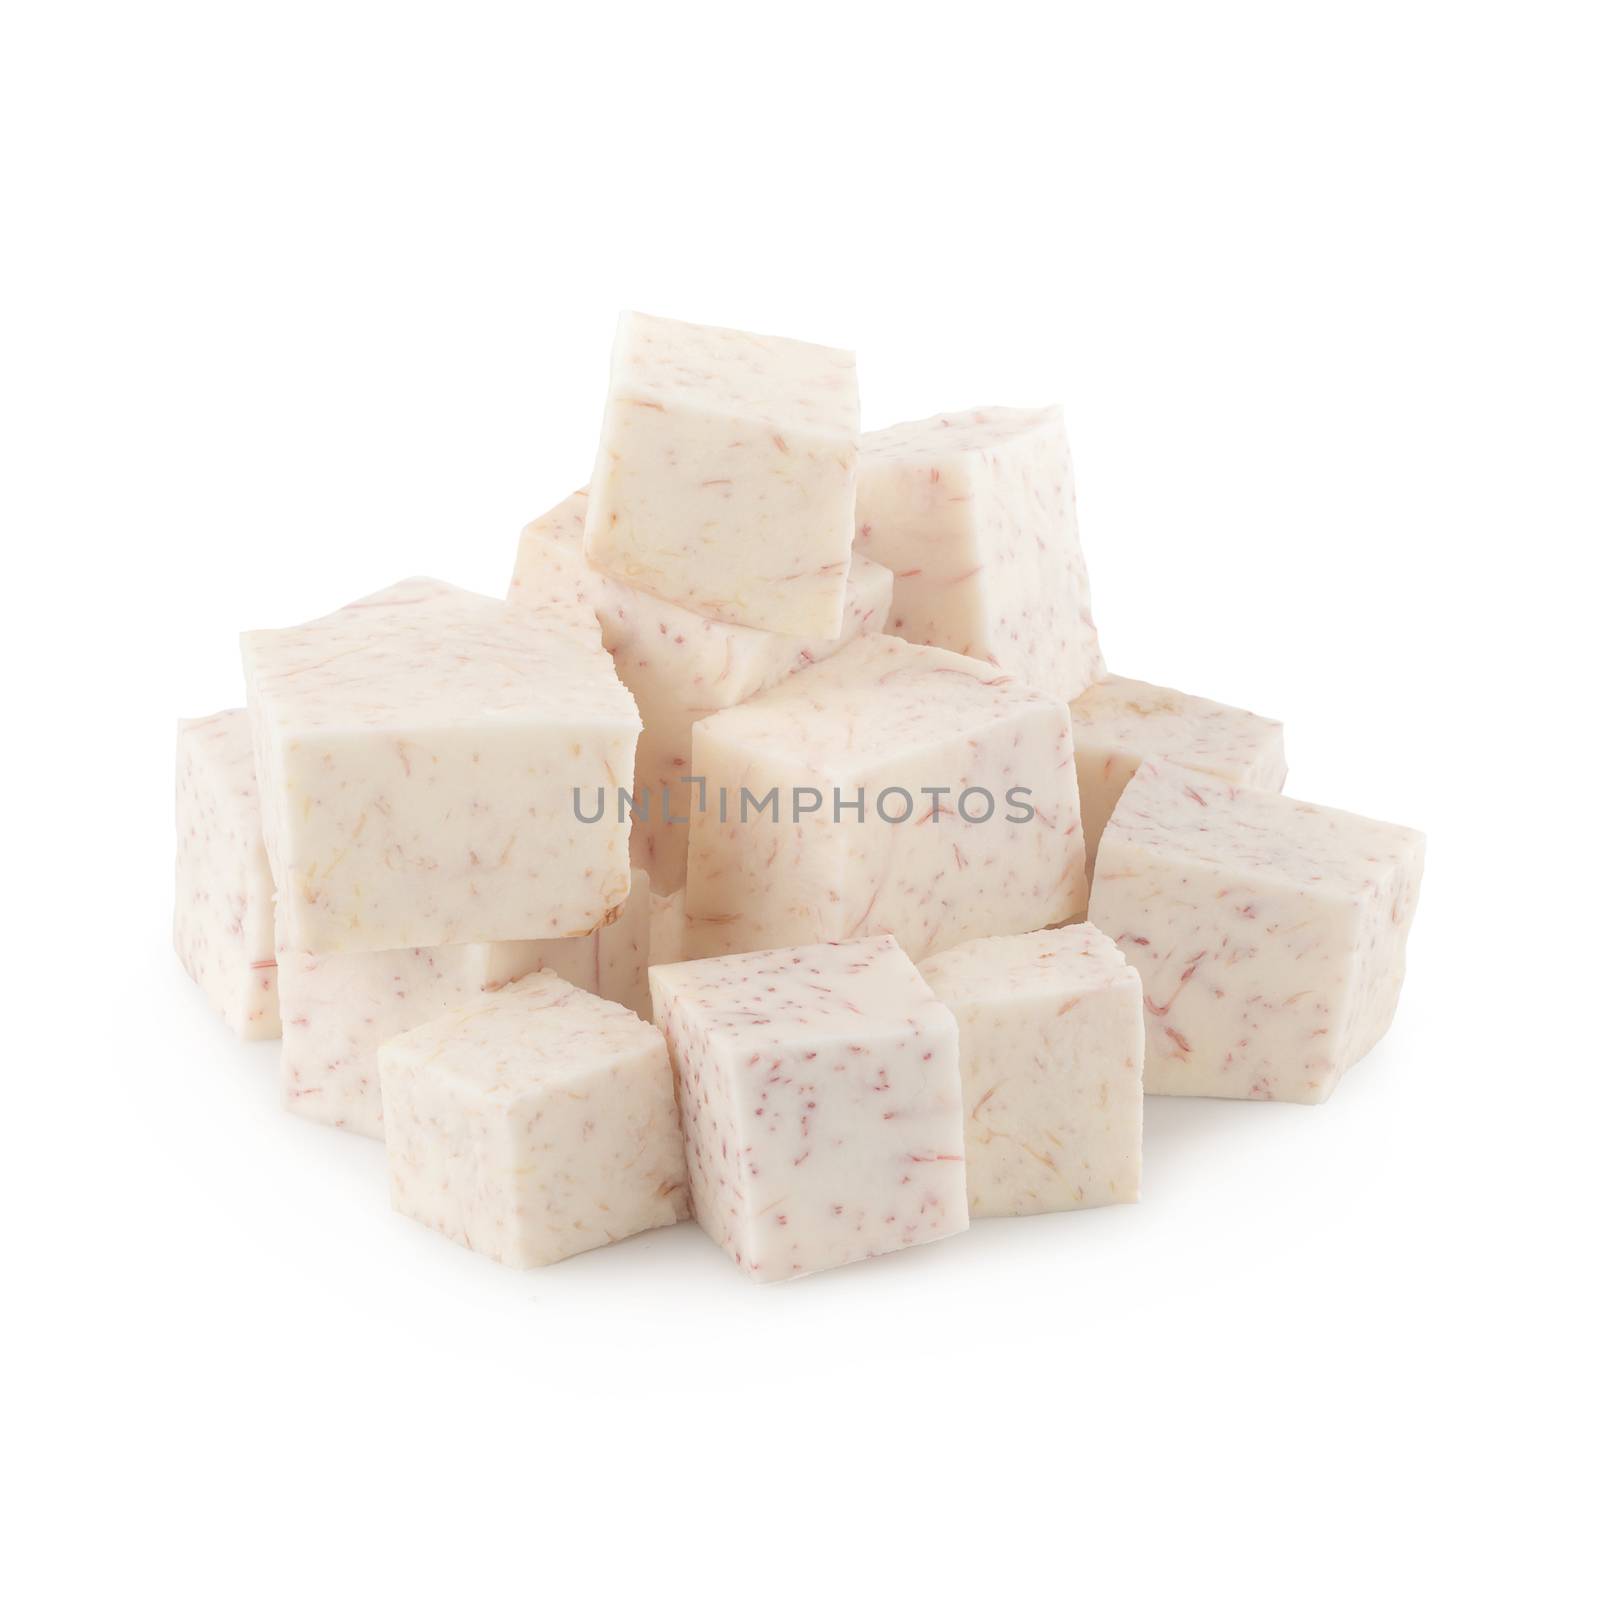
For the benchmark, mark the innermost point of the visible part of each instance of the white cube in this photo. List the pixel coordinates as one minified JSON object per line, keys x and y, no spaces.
{"x":1122,"y":721}
{"x":974,"y":514}
{"x":679,"y":667}
{"x":422,"y":754}
{"x":1052,"y":1055}
{"x":912,"y":792}
{"x":222,"y":917}
{"x":534,"y":1124}
{"x":820,"y":1092}
{"x":340,"y":1008}
{"x":1270,"y":934}
{"x":726,"y":474}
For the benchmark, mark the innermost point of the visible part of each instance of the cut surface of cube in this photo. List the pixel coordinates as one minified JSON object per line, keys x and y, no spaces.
{"x":725,"y":479}
{"x":678,"y":665}
{"x":222,"y":917}
{"x":1052,"y":1054}
{"x":821,"y":1100}
{"x":974,"y":513}
{"x":421,"y":754}
{"x":340,"y":1008}
{"x":913,"y":792}
{"x":1122,"y":721}
{"x":534,"y":1124}
{"x":1270,"y":934}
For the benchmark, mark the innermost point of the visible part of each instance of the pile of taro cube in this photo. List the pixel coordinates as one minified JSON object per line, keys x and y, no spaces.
{"x":778,"y":853}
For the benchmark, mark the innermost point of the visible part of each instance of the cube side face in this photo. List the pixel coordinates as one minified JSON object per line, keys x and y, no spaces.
{"x":717,"y":1197}
{"x":222,"y":909}
{"x":596,"y":1163}
{"x":450,"y":1159}
{"x":806,"y":1154}
{"x":1040,"y":624}
{"x":1269,"y":766}
{"x":339,"y":1009}
{"x":728,"y":516}
{"x":1248,"y":981}
{"x":932,"y":880}
{"x":668,"y":931}
{"x":1387,"y":915}
{"x":450,"y":835}
{"x":1054,"y":1103}
{"x":849,"y":1151}
{"x":938,"y":881}
{"x":1103,"y":773}
{"x":918,"y":518}
{"x":984,"y":545}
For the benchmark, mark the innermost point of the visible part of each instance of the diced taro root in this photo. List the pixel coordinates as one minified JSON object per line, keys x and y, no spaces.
{"x":821,"y":1102}
{"x":974,"y":514}
{"x":1270,"y":934}
{"x":1121,"y":721}
{"x":1052,"y":1051}
{"x":222,"y":919}
{"x":882,"y":725}
{"x":726,"y":474}
{"x":338,"y":1009}
{"x":678,"y":665}
{"x":536,"y":1123}
{"x":418,"y":755}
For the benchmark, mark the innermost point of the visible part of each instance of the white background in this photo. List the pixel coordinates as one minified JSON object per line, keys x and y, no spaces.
{"x":304,"y":299}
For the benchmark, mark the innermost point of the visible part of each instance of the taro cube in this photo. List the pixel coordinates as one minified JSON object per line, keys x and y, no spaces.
{"x":890,"y":789}
{"x":420,"y":755}
{"x":222,"y":918}
{"x":1052,"y":1052}
{"x":820,"y":1092}
{"x":1270,"y":934}
{"x":533,"y":1124}
{"x":726,"y":474}
{"x":975,"y":516}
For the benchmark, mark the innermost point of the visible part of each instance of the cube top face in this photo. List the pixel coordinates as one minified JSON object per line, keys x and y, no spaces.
{"x":878,"y":698}
{"x":944,"y":439}
{"x":800,"y":998}
{"x":423,"y":654}
{"x":975,"y":514}
{"x":537,"y":1034}
{"x":220,"y":746}
{"x":725,"y":476}
{"x":1174,"y":813}
{"x":787,"y":383}
{"x":1127,"y":716}
{"x":1056,"y":963}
